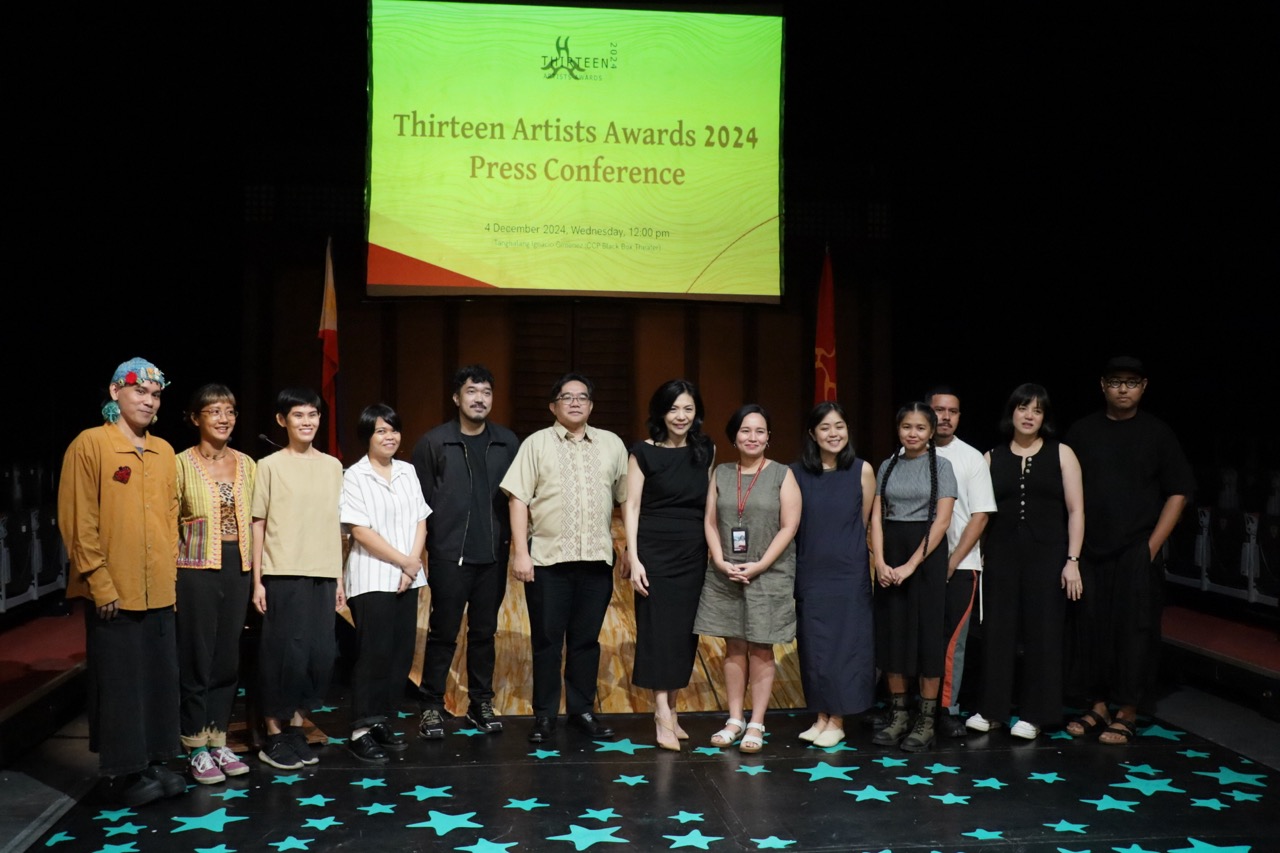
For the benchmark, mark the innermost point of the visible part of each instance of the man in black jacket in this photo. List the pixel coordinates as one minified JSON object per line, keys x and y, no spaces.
{"x":460,"y":463}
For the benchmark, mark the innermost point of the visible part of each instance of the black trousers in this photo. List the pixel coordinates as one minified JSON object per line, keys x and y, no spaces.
{"x":132,"y":676}
{"x":386,"y":634}
{"x":567,"y":604}
{"x":962,"y":596}
{"x":297,"y":648}
{"x":212,"y":605}
{"x":473,"y":589}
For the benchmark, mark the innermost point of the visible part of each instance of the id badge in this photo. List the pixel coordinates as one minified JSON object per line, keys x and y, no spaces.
{"x":738,"y":540}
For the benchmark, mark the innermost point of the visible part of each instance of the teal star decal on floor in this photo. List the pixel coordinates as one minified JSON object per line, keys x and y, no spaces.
{"x":872,"y":793}
{"x":840,"y":747}
{"x":318,"y":800}
{"x":404,"y":715}
{"x":990,"y":782}
{"x":1147,"y":787}
{"x":324,"y":709}
{"x":1048,"y":778}
{"x":366,"y":783}
{"x":130,"y":847}
{"x":525,"y":805}
{"x":321,"y":823}
{"x":686,"y":817}
{"x":773,"y":842}
{"x":916,"y":780}
{"x":985,"y":834}
{"x":753,"y":769}
{"x":545,"y":753}
{"x":231,"y":794}
{"x":125,"y":829}
{"x":377,"y":808}
{"x":1067,"y":826}
{"x":1061,"y":735}
{"x":1198,"y":846}
{"x":693,"y":839}
{"x":1109,"y":803}
{"x":1133,"y":848}
{"x":888,"y":762}
{"x":291,"y":843}
{"x":632,"y":780}
{"x":113,"y":816}
{"x":707,"y":750}
{"x":214,"y":821}
{"x":602,"y":815}
{"x":336,"y":741}
{"x":1227,"y":776}
{"x":420,"y":793}
{"x":950,"y":799}
{"x":484,"y":845}
{"x":1215,"y":804}
{"x":624,"y":745}
{"x":221,"y":848}
{"x":443,"y":823}
{"x":1160,"y":731}
{"x":240,"y":692}
{"x":289,"y":779}
{"x":469,"y":732}
{"x":942,"y":768}
{"x":581,"y":838}
{"x":58,"y":838}
{"x":1243,"y":797}
{"x":823,"y":770}
{"x":1145,"y":769}
{"x":1193,"y":753}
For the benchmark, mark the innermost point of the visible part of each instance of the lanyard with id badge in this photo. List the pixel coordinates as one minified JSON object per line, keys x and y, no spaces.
{"x":738,"y":540}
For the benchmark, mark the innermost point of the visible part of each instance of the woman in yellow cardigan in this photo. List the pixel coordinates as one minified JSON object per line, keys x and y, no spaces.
{"x":215,"y":495}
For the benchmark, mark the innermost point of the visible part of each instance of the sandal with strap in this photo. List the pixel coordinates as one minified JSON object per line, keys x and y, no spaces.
{"x":752,"y":742}
{"x":729,"y":736}
{"x":1122,"y":728}
{"x":1089,"y":723}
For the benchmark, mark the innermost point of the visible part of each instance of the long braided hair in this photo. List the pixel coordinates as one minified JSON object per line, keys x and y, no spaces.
{"x":927,"y":411}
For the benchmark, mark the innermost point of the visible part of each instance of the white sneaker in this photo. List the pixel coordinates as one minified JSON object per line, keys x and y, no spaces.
{"x":978,"y":723}
{"x":1025,"y":730}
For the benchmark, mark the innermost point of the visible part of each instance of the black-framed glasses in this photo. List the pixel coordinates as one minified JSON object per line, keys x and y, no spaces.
{"x":1128,"y":383}
{"x":574,"y":398}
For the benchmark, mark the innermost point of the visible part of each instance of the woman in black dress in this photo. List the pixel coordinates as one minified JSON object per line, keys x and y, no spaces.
{"x":1032,"y":567}
{"x":663,"y":517}
{"x":833,"y":576}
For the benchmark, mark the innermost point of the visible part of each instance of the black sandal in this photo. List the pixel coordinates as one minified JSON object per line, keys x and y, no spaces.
{"x":1121,"y":727}
{"x":1089,"y":722}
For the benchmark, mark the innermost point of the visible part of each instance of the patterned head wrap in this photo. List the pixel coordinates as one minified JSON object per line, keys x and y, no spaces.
{"x":132,"y":372}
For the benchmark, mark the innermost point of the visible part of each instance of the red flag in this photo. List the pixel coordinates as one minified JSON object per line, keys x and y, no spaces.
{"x":824,"y":338}
{"x":329,"y":335}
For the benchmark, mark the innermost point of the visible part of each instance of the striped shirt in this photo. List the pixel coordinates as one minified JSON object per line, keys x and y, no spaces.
{"x":390,"y":509}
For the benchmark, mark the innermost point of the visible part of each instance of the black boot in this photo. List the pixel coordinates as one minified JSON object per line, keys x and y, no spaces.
{"x":921,"y":737}
{"x":899,"y":723}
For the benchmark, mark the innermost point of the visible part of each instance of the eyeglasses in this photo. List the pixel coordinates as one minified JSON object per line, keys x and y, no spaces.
{"x":1128,"y":383}
{"x":219,"y":413}
{"x":574,"y":398}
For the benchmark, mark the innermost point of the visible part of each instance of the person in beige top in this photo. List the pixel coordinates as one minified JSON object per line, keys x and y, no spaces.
{"x":562,"y":488}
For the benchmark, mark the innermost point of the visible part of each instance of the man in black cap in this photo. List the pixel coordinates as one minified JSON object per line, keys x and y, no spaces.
{"x":1136,"y":483}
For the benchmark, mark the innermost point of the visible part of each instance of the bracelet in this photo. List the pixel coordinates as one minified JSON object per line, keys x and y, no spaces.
{"x":1073,"y":559}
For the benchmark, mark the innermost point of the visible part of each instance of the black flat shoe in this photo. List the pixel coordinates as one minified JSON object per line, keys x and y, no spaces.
{"x":952,"y":725}
{"x":543,"y":729}
{"x":134,"y":790}
{"x":587,"y":723}
{"x":171,"y":783}
{"x":367,"y":749}
{"x":386,"y":738}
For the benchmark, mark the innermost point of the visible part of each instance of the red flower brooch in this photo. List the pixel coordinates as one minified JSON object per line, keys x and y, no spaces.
{"x":130,"y":378}
{"x":122,"y":474}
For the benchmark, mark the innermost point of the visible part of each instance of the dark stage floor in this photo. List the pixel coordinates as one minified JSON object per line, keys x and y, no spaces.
{"x":1168,"y":791}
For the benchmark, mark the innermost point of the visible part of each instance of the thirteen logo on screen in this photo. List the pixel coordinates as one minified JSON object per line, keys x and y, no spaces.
{"x":564,"y":64}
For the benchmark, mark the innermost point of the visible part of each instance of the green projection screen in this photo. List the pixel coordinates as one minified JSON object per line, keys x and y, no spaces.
{"x":574,"y":151}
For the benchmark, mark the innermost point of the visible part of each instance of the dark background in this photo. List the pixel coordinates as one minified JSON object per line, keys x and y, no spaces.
{"x":1047,"y":184}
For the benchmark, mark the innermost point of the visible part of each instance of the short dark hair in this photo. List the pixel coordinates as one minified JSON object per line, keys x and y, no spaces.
{"x":811,"y":454}
{"x":1023,"y":394}
{"x":938,"y":390}
{"x":662,"y":401}
{"x":559,"y":384}
{"x":289,"y":398}
{"x":369,"y":420}
{"x":476,"y":373}
{"x":736,"y":419}
{"x":211,"y":392}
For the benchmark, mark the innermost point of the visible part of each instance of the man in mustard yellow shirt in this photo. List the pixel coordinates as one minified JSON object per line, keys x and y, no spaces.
{"x":118,"y":507}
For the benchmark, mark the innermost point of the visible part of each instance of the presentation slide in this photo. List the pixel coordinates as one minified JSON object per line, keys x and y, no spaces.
{"x":574,"y":151}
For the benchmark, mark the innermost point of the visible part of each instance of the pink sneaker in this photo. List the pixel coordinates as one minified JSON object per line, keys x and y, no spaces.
{"x":204,"y":770}
{"x":228,"y":762}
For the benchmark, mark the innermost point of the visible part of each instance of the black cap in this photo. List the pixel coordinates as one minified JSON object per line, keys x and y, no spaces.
{"x":1124,"y":364}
